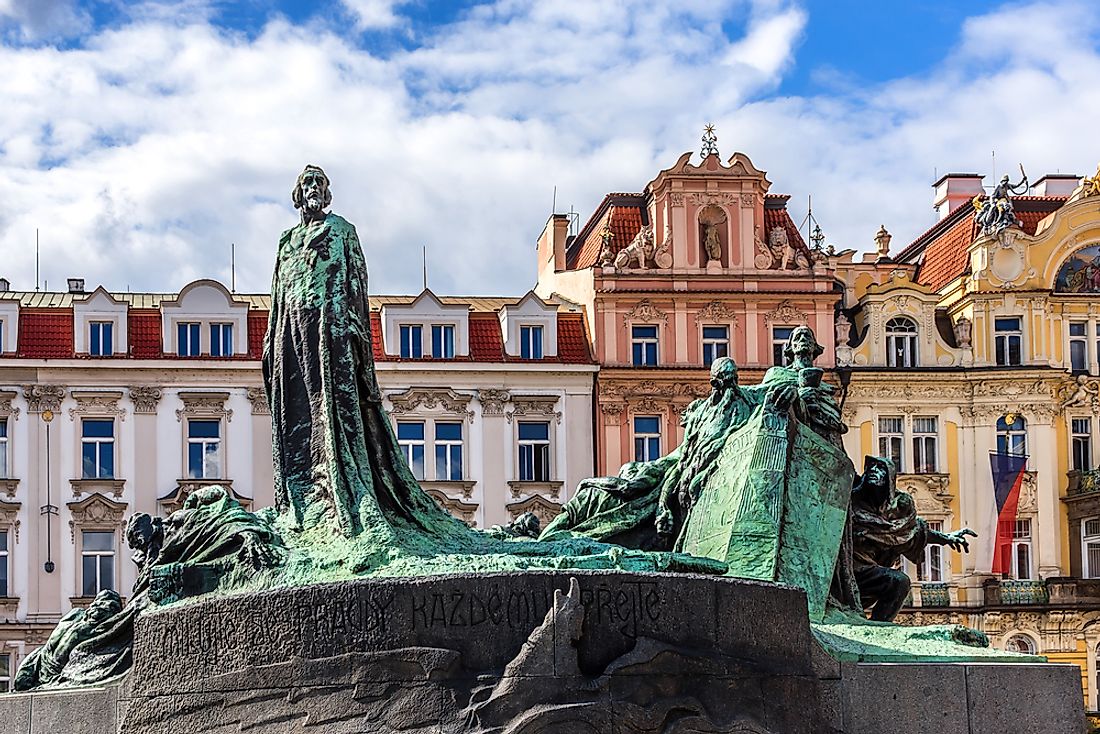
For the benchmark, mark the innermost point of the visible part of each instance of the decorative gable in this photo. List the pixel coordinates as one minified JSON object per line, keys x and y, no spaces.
{"x":534,"y":312}
{"x":205,"y":302}
{"x":93,"y":310}
{"x":426,"y":311}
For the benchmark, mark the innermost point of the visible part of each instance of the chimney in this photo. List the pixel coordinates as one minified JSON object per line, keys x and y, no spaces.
{"x":76,"y":285}
{"x":5,"y":286}
{"x":551,"y":247}
{"x":1056,"y":184}
{"x":955,"y":189}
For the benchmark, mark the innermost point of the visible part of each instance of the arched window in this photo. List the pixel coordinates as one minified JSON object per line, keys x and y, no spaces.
{"x":901,"y":342}
{"x":1020,"y":643}
{"x":1012,"y":434}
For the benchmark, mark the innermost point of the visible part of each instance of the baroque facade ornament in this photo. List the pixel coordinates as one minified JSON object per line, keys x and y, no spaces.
{"x":6,"y":408}
{"x":257,"y":396}
{"x":1080,"y":392}
{"x":9,"y":517}
{"x":492,"y":400}
{"x":538,"y":405}
{"x":464,"y":511}
{"x":716,"y":312}
{"x":425,"y":398}
{"x":204,"y":404}
{"x":41,"y":398}
{"x":95,"y":511}
{"x":639,"y":254}
{"x":544,"y":509}
{"x":645,"y":312}
{"x":97,"y":403}
{"x":612,"y":413}
{"x":702,"y":199}
{"x":145,"y":399}
{"x":786,"y":314}
{"x":662,"y":258}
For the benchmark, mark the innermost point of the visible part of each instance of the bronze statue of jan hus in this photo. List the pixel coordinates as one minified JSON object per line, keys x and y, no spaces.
{"x":885,"y":527}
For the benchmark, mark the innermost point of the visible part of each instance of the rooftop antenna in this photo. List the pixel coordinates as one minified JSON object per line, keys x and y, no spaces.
{"x":815,"y":236}
{"x":232,"y":267}
{"x":36,"y":270}
{"x":554,"y":205}
{"x":424,"y":254}
{"x":993,"y":154}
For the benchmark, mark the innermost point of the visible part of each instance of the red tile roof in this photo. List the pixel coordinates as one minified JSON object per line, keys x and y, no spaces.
{"x":778,"y":216}
{"x":573,"y":340}
{"x":144,"y":333}
{"x":46,"y":333}
{"x":626,"y":214}
{"x":257,"y":330}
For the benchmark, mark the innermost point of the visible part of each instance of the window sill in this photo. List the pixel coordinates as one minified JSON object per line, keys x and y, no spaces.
{"x":551,"y":489}
{"x":450,"y":486}
{"x":103,"y":486}
{"x":9,"y":485}
{"x":9,"y":604}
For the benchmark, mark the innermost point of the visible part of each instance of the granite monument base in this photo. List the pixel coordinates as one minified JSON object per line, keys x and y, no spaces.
{"x":572,"y":652}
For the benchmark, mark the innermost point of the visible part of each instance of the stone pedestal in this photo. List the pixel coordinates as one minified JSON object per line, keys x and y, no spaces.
{"x":531,"y":652}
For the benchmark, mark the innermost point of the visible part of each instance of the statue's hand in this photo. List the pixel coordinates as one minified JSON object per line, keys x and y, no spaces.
{"x":782,"y":396}
{"x":958,"y":541}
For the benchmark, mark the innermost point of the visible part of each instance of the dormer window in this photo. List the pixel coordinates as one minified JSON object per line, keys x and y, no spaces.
{"x":221,"y":340}
{"x":530,"y":342}
{"x":412,"y":341}
{"x":2,"y":336}
{"x":187,"y":339}
{"x":901,"y":342}
{"x":101,"y":338}
{"x":443,"y":341}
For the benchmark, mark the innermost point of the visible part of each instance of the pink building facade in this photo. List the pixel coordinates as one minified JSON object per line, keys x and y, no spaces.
{"x":703,"y":263}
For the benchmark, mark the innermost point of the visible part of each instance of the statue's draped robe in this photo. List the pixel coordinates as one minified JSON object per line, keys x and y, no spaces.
{"x":883,"y":534}
{"x":336,"y":458}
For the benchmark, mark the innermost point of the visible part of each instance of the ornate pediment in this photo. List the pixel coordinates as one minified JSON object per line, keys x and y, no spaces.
{"x":534,"y":405}
{"x":786,"y":314}
{"x":95,"y":511}
{"x":464,"y":511}
{"x":431,"y":398}
{"x":645,"y":312}
{"x":204,"y":405}
{"x":544,"y":509}
{"x":930,"y":492}
{"x":716,"y":312}
{"x":186,"y":487}
{"x":9,"y":517}
{"x":97,"y":403}
{"x":6,"y":408}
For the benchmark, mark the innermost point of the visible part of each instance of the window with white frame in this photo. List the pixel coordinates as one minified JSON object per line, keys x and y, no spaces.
{"x":1021,"y":549}
{"x":647,"y":437}
{"x":1008,"y":340}
{"x":930,"y":568}
{"x":2,"y":336}
{"x":1081,"y":443}
{"x":101,"y":342}
{"x":643,"y":342}
{"x":97,"y":559}
{"x":925,"y":435}
{"x":412,"y":341}
{"x":716,"y":343}
{"x":410,"y":437}
{"x":534,"y":451}
{"x":780,"y":335}
{"x":448,"y":451}
{"x":891,"y":439}
{"x":901,"y":342}
{"x":1090,"y":548}
{"x":187,"y":339}
{"x":5,"y":453}
{"x":443,"y":341}
{"x":97,"y":448}
{"x":1012,"y":434}
{"x":5,"y":672}
{"x":1079,"y":346}
{"x":1021,"y":644}
{"x":204,"y":449}
{"x":221,"y":340}
{"x":5,"y":567}
{"x":530,"y":342}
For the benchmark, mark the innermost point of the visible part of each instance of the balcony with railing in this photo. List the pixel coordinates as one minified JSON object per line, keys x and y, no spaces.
{"x":1083,"y":482}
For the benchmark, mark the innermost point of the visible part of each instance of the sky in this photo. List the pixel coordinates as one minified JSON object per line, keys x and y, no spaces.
{"x":143,"y":140}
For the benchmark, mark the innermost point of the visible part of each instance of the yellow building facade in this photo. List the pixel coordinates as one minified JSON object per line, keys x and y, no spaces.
{"x":973,"y":340}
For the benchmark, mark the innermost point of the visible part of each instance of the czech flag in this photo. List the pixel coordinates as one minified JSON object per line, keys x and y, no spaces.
{"x":1008,"y":477}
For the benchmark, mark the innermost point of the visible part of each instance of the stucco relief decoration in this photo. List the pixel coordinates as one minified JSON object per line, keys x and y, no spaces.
{"x":786,"y":315}
{"x":929,"y":490}
{"x":748,"y":200}
{"x":649,"y":404}
{"x":492,"y":400}
{"x":1080,"y":273}
{"x":1080,"y":392}
{"x":417,"y":398}
{"x":464,"y":511}
{"x":716,"y":312}
{"x":95,"y":511}
{"x":542,"y":508}
{"x":639,"y":253}
{"x":145,"y":399}
{"x":963,"y":330}
{"x":257,"y":396}
{"x":644,"y":312}
{"x":662,"y":258}
{"x":536,"y":405}
{"x":9,"y":517}
{"x":843,"y":333}
{"x":204,"y":404}
{"x":612,"y":413}
{"x":41,"y":398}
{"x":6,"y":408}
{"x":1003,"y":259}
{"x":1029,"y":494}
{"x":676,"y":198}
{"x":96,"y":403}
{"x":607,"y":237}
{"x":705,"y":199}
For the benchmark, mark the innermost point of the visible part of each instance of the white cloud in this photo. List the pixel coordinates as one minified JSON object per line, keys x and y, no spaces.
{"x":37,"y":19}
{"x":142,"y":154}
{"x":374,"y":14}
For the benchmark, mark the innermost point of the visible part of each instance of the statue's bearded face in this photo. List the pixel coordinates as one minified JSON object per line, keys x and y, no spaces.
{"x":314,"y":185}
{"x":803,"y":341}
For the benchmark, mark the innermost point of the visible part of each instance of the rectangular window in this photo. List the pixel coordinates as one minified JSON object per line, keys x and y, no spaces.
{"x":410,"y":437}
{"x":1012,"y":436}
{"x":931,"y":568}
{"x":534,"y":452}
{"x":925,"y":433}
{"x":1081,"y":440}
{"x":204,"y":448}
{"x":1021,"y":550}
{"x":780,"y":335}
{"x":221,"y":340}
{"x":4,"y":453}
{"x":412,"y":341}
{"x":448,"y":451}
{"x":187,"y":339}
{"x":530,"y":342}
{"x":4,"y":567}
{"x":716,"y":343}
{"x":1008,"y":340}
{"x":1090,"y":547}
{"x":443,"y":341}
{"x":97,"y":448}
{"x":891,"y":436}
{"x":1078,"y":346}
{"x":644,"y":345}
{"x":97,"y":556}
{"x":101,"y":338}
{"x":5,"y":672}
{"x":647,"y":438}
{"x":1,"y":336}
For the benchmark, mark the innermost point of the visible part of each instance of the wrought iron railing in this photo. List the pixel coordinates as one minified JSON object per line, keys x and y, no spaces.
{"x":934,"y":595}
{"x":1082,"y":482}
{"x":1023,"y":592}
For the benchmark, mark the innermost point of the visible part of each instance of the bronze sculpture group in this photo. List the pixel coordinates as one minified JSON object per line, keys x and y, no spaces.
{"x":341,"y":479}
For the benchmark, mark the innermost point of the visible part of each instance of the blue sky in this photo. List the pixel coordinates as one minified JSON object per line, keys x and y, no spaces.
{"x":142,"y":138}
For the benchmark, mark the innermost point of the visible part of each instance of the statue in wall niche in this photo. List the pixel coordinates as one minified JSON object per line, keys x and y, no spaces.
{"x":995,"y":214}
{"x":712,"y":245}
{"x":639,"y":253}
{"x":843,"y":330}
{"x":963,"y":329}
{"x":886,"y":528}
{"x":607,"y":255}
